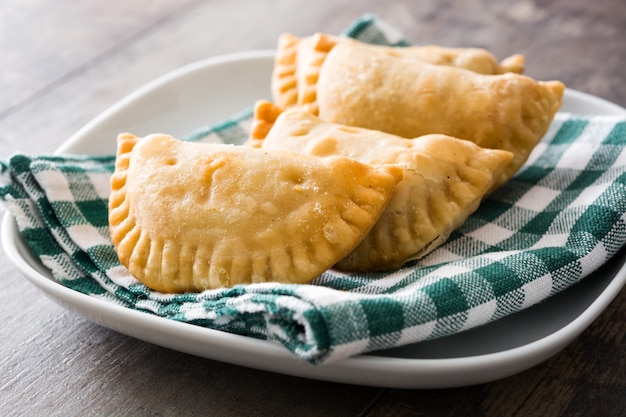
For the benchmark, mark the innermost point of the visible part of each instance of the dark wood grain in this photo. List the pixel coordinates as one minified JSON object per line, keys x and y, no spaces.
{"x":63,"y":62}
{"x":585,"y":379}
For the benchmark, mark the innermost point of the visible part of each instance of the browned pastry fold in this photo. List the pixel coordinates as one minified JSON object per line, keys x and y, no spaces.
{"x":444,"y":181}
{"x":298,"y":62}
{"x":190,"y":216}
{"x":263,"y":117}
{"x":409,"y":98}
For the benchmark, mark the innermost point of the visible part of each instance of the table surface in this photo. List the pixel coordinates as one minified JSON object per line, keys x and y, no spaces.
{"x":63,"y":62}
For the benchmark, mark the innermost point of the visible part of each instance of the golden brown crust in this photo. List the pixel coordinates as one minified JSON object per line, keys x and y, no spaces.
{"x":312,"y":52}
{"x":189,"y":216}
{"x":299,"y":60}
{"x":410,"y":98}
{"x":263,"y":118}
{"x":444,"y":181}
{"x":477,"y":60}
{"x":284,"y":82}
{"x":514,"y":63}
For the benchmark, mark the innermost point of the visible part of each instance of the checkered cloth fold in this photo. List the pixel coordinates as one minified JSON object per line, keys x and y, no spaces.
{"x":559,"y":219}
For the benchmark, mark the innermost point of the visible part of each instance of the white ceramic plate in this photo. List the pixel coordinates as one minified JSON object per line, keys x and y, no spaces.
{"x":212,"y":90}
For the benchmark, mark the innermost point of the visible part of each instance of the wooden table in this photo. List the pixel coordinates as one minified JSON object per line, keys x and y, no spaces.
{"x":64,"y":61}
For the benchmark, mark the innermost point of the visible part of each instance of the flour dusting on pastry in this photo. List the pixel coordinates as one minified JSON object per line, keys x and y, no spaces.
{"x":190,"y":216}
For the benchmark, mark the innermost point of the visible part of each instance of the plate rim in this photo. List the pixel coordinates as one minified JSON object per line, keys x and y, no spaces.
{"x":340,"y":371}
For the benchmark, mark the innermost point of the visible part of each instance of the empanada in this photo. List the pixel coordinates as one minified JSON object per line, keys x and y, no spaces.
{"x":444,"y":181}
{"x":410,"y":98}
{"x":298,"y":61}
{"x":190,"y":216}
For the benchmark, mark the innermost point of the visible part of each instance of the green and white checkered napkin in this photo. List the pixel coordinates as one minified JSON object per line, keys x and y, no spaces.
{"x":558,"y":220}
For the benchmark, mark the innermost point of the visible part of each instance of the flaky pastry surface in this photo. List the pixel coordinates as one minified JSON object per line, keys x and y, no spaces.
{"x":190,"y":217}
{"x":298,"y":62}
{"x":443,"y":183}
{"x":410,"y":99}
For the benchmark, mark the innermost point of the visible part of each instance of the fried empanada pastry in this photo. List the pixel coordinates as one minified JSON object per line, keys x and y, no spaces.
{"x":444,"y":182}
{"x":190,"y":216}
{"x":409,"y":98}
{"x":263,"y":117}
{"x":298,"y":62}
